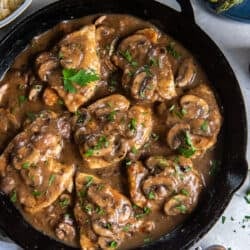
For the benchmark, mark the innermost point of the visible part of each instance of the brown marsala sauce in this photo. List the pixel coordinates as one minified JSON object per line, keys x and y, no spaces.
{"x":124,"y":26}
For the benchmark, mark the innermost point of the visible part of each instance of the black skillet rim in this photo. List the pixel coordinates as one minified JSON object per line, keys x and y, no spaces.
{"x":235,"y":177}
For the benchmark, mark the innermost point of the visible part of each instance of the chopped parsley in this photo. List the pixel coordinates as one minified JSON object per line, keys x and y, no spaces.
{"x":88,"y":208}
{"x":153,"y":62}
{"x":31,"y":116}
{"x":151,"y":195}
{"x":36,"y":193}
{"x":101,"y":143}
{"x":64,"y":202}
{"x":126,"y":228}
{"x":132,"y":124}
{"x":89,"y":180}
{"x":26,"y":165}
{"x":22,"y":99}
{"x":172,"y":51}
{"x":146,"y":211}
{"x":80,"y":77}
{"x":204,"y":126}
{"x":127,"y":55}
{"x":51,"y":179}
{"x":89,"y":152}
{"x":13,"y":196}
{"x":184,"y":192}
{"x":247,"y":196}
{"x":182,"y":208}
{"x":100,"y":211}
{"x":175,"y":111}
{"x":223,"y":219}
{"x":128,"y":162}
{"x":111,"y":116}
{"x":188,"y":149}
{"x":134,"y":150}
{"x":113,"y":244}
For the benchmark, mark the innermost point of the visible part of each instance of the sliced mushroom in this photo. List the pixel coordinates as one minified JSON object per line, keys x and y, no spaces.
{"x":35,"y":92}
{"x":139,"y":126}
{"x":136,"y":173}
{"x":176,"y":134}
{"x":100,"y":151}
{"x":46,"y":62}
{"x":178,"y":204}
{"x":116,"y":212}
{"x":109,"y":104}
{"x":65,"y":231}
{"x":161,"y":186}
{"x":201,"y":127}
{"x":143,"y":86}
{"x":195,"y":107}
{"x":163,"y":72}
{"x":186,"y":73}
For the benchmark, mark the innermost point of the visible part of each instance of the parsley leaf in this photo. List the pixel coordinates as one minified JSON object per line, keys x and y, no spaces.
{"x":113,"y":244}
{"x":204,"y":126}
{"x":171,"y":50}
{"x":132,"y":124}
{"x":80,"y":77}
{"x":182,"y":208}
{"x":247,"y":196}
{"x":26,"y":165}
{"x":188,"y":149}
{"x":13,"y":196}
{"x":51,"y":179}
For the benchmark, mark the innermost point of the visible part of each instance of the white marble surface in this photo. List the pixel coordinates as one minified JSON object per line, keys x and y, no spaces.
{"x":233,"y":38}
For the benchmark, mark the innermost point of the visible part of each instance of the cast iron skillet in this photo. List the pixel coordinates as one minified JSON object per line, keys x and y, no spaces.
{"x":182,"y":27}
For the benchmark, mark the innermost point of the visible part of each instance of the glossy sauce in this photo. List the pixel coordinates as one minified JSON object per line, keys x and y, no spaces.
{"x":115,"y":175}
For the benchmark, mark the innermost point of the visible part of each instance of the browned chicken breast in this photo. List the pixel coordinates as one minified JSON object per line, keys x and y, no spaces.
{"x":109,"y":130}
{"x":194,"y":122}
{"x":147,"y":72}
{"x":170,"y":184}
{"x":79,"y":65}
{"x":31,"y":163}
{"x":102,"y":213}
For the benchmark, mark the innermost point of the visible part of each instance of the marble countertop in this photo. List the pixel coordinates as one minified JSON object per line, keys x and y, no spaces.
{"x":233,"y":38}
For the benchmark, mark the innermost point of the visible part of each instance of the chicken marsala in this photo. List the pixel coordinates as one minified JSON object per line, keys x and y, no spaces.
{"x":108,"y":132}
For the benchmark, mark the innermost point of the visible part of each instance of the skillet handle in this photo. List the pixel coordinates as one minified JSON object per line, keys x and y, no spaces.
{"x":187,"y":9}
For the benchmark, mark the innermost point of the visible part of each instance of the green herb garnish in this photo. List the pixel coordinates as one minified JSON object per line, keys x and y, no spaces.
{"x":36,"y":193}
{"x":127,"y":55}
{"x":172,"y":51}
{"x":188,"y":149}
{"x":204,"y":126}
{"x":51,"y":179}
{"x":247,"y":196}
{"x":80,"y":77}
{"x":151,"y":195}
{"x":223,"y":219}
{"x":26,"y":165}
{"x":113,"y":244}
{"x":132,"y":124}
{"x":182,"y":208}
{"x":13,"y":196}
{"x":111,"y":116}
{"x":31,"y":116}
{"x":126,"y":228}
{"x":64,"y":203}
{"x":184,"y":192}
{"x":22,"y":99}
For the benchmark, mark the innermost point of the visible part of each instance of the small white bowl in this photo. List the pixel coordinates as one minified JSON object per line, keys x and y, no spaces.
{"x":15,"y":13}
